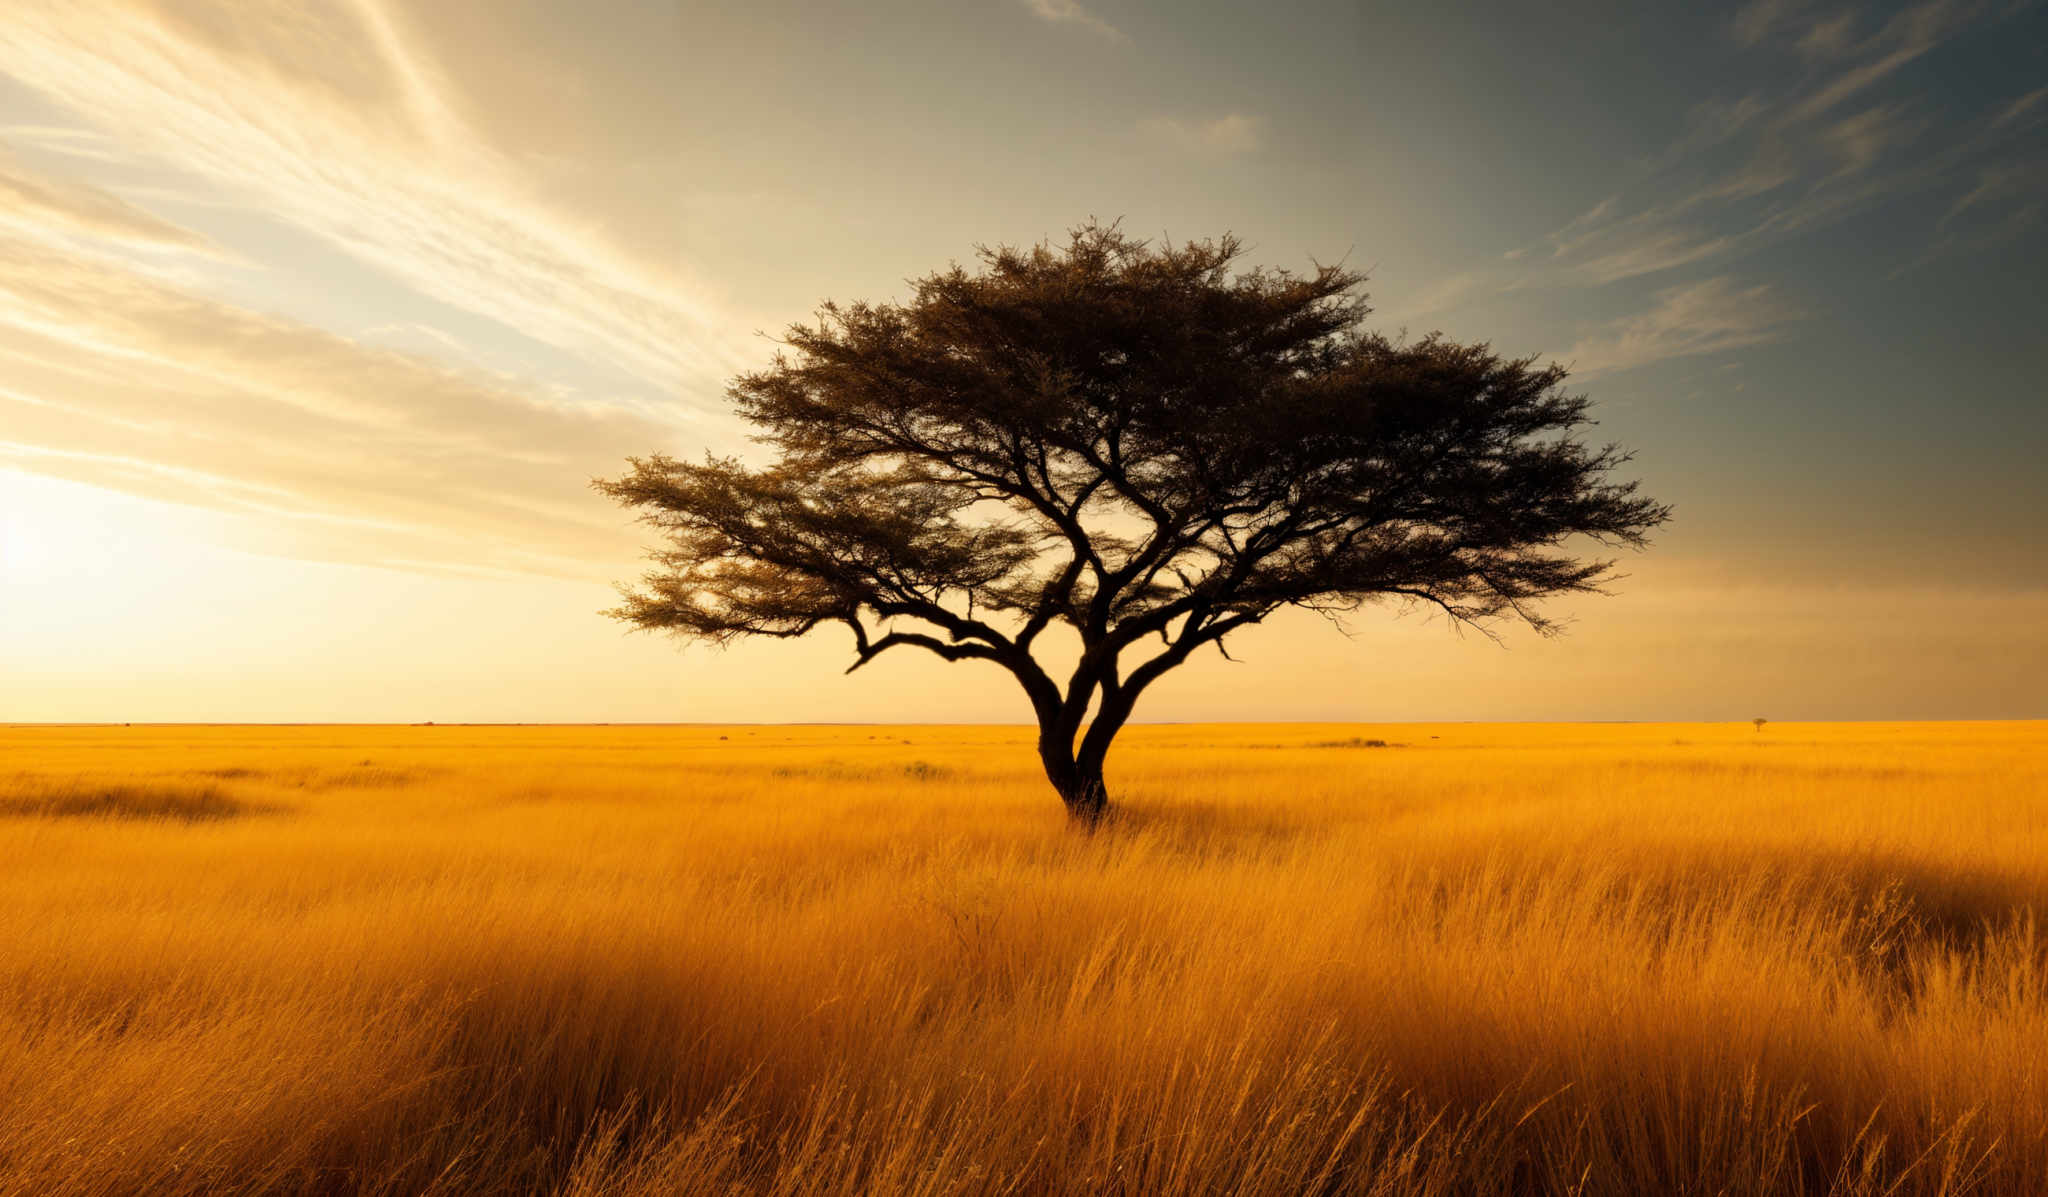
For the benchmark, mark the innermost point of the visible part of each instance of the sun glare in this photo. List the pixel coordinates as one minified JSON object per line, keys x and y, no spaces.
{"x":33,"y":529}
{"x":24,"y":552}
{"x":51,"y":529}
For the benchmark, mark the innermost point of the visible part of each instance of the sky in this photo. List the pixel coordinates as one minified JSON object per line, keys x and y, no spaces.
{"x":316,"y":320}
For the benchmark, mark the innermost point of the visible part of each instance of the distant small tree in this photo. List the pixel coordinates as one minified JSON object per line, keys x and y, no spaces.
{"x":1134,"y":442}
{"x":1759,"y":721}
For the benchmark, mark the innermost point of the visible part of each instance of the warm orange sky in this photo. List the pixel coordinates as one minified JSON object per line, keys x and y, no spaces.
{"x":317,"y":319}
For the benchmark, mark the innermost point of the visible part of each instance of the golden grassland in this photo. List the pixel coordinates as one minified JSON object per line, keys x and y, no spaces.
{"x":807,"y":960}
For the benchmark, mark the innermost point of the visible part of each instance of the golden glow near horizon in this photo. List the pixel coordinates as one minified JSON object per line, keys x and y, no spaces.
{"x":316,"y":320}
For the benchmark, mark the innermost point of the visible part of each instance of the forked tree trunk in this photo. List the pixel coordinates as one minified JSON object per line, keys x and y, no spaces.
{"x":1087,"y":800}
{"x":1079,"y":783}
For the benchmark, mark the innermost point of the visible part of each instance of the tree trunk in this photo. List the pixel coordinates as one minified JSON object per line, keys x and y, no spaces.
{"x":1080,"y":788}
{"x":1087,"y":801}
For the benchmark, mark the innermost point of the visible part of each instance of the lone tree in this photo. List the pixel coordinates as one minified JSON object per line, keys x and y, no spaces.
{"x":1139,"y":443}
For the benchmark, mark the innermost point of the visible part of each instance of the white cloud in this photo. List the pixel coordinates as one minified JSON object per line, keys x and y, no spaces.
{"x":120,"y":378}
{"x":1904,"y":38}
{"x":1071,"y":12}
{"x":1762,"y":169}
{"x":1712,"y":316}
{"x":69,"y":142}
{"x":79,"y":209}
{"x":329,"y":120}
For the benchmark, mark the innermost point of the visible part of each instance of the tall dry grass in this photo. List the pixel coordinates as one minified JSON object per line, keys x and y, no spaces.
{"x":1478,"y":959}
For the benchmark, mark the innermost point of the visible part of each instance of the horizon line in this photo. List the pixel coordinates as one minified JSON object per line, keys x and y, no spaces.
{"x":950,"y":723}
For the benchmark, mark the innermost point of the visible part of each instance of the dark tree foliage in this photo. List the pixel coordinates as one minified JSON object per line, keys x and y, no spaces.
{"x":1138,"y":443}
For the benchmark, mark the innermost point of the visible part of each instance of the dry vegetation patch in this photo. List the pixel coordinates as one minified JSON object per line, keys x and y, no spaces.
{"x":88,"y":798}
{"x":640,"y":960}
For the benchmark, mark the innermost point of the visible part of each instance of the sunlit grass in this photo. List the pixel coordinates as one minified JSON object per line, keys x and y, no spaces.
{"x":1397,"y":959}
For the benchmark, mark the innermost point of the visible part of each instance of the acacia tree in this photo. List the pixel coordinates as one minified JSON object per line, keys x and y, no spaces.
{"x":1140,"y":443}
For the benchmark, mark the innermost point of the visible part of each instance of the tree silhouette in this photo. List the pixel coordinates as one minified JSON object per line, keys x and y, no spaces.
{"x":1139,"y":444}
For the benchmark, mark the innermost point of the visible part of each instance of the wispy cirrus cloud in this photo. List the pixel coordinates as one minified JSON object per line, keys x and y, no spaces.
{"x":1765,"y":169}
{"x":1711,"y":316}
{"x":2016,"y":196}
{"x":1072,"y":12}
{"x":67,"y":206}
{"x":2023,"y":112}
{"x":125,"y":364}
{"x":330,"y":120}
{"x":1758,"y":170}
{"x":1791,"y":178}
{"x":121,"y":377}
{"x":1905,"y":37}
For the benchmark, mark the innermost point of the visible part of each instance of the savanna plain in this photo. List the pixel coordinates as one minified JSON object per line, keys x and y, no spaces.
{"x":1450,"y":959}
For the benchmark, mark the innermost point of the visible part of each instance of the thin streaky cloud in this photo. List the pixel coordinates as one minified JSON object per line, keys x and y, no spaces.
{"x":1828,"y":37}
{"x":1760,"y":170}
{"x":1983,"y":238}
{"x":1757,"y":20}
{"x":1905,"y":38}
{"x":339,"y":127}
{"x":150,"y":476}
{"x":1711,"y":316}
{"x":2024,"y":111}
{"x":81,"y":209}
{"x":85,"y":144}
{"x":2027,"y":180}
{"x":1828,"y":173}
{"x":419,"y":82}
{"x":1072,"y":12}
{"x":124,"y":380}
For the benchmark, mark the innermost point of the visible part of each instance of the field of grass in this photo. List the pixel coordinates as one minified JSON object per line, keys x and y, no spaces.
{"x":802,"y":960}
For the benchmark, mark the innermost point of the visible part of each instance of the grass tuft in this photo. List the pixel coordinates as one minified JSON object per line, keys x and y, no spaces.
{"x":101,"y":800}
